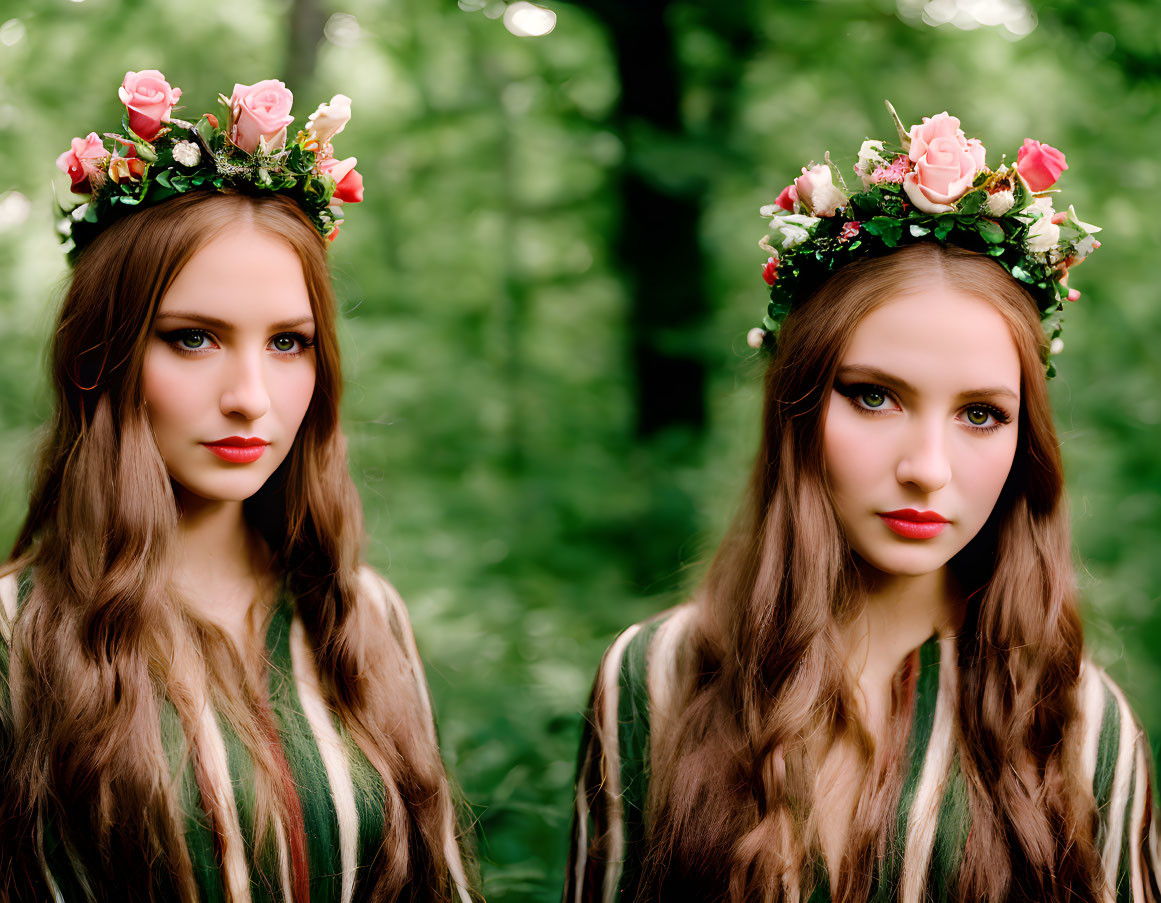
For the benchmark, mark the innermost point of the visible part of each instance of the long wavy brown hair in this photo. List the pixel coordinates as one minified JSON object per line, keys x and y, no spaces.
{"x":730,"y":803}
{"x":103,"y":644}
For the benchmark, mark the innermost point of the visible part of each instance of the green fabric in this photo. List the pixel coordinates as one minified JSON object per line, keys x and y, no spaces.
{"x":306,"y":764}
{"x":953,"y":820}
{"x":633,"y":716}
{"x":307,"y":772}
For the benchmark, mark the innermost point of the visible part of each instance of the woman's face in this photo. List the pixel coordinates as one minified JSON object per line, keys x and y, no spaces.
{"x":920,"y":427}
{"x":229,"y":369}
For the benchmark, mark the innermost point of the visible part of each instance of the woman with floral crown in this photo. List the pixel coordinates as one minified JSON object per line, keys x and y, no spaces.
{"x":880,"y":690}
{"x":206,"y":694}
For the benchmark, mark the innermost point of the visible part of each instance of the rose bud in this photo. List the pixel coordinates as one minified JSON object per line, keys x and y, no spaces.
{"x":149,"y":100}
{"x":1040,"y":165}
{"x":83,"y":163}
{"x":260,"y":114}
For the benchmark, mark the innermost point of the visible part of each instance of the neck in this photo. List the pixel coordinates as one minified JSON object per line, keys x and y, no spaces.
{"x":899,"y":613}
{"x":221,"y":566}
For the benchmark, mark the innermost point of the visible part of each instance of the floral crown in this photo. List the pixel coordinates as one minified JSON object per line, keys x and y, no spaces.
{"x":243,"y":148}
{"x":933,"y":185}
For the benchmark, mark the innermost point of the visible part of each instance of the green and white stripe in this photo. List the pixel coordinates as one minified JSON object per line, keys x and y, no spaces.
{"x":340,"y":794}
{"x":643,"y":679}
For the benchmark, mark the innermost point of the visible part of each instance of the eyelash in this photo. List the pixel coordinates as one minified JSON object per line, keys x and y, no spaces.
{"x":854,"y":391}
{"x":174,"y":338}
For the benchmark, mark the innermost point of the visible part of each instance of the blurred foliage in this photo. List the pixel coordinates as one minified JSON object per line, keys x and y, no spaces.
{"x":490,"y":285}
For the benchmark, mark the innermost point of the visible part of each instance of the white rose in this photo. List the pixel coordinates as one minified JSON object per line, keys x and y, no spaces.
{"x":1043,"y":234}
{"x":187,"y":153}
{"x":795,"y":228}
{"x":329,"y":119}
{"x":1000,"y":203}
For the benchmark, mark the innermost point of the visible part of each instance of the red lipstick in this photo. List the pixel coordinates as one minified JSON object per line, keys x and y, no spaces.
{"x":238,"y":449}
{"x":912,"y":524}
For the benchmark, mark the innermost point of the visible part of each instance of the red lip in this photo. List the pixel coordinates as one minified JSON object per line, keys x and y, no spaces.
{"x":239,"y":441}
{"x":912,"y":524}
{"x":919,"y":517}
{"x":238,"y":449}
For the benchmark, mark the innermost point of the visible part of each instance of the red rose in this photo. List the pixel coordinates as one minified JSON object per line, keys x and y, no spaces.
{"x":787,"y":198}
{"x":348,"y":182}
{"x":770,"y":271}
{"x":1039,"y":164}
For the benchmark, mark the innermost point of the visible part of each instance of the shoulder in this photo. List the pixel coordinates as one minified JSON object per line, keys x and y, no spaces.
{"x":643,"y":678}
{"x":1118,"y":760}
{"x":1112,"y":735}
{"x":381,"y":606}
{"x":9,"y":593}
{"x":381,"y":598}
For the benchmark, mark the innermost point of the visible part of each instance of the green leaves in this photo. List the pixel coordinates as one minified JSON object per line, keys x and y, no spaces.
{"x":990,"y":231}
{"x":885,"y":227}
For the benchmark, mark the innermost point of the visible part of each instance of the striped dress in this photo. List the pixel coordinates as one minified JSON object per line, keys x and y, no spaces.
{"x":639,"y":687}
{"x":339,"y":793}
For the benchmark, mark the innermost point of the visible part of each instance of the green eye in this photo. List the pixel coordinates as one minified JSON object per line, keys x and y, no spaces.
{"x":873,"y":399}
{"x":193,"y":340}
{"x":978,"y":416}
{"x":285,"y":343}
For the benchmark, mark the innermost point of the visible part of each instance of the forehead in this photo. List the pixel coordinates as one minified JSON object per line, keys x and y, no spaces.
{"x":939,"y":337}
{"x":242,"y":274}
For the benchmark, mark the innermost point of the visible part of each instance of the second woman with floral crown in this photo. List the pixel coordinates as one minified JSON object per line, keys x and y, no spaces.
{"x":880,"y":689}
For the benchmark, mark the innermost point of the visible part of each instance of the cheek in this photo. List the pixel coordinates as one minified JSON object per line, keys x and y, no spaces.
{"x":988,"y":471}
{"x":167,"y":393}
{"x":849,"y":457}
{"x":295,"y":390}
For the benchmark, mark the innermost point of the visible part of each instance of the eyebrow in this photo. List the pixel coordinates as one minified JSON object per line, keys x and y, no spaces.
{"x":224,"y":324}
{"x":892,"y":381}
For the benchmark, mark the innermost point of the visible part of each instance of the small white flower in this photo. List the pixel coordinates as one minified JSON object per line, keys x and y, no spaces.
{"x":870,"y":158}
{"x":1000,"y":203}
{"x":755,"y":337}
{"x":1043,"y":234}
{"x":768,"y":210}
{"x":187,"y":153}
{"x":794,"y":228}
{"x":1056,"y":346}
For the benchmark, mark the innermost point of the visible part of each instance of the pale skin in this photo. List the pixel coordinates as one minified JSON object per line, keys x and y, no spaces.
{"x":230,"y":357}
{"x":923,"y":417}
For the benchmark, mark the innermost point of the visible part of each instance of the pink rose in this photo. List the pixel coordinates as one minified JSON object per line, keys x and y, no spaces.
{"x":817,"y":192}
{"x":260,"y":114}
{"x":941,"y":125}
{"x":348,"y":182}
{"x":943,"y":174}
{"x":787,"y":199}
{"x":83,"y":163}
{"x":1039,"y":164}
{"x":149,"y":99}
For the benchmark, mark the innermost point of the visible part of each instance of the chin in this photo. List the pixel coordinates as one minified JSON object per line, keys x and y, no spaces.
{"x":916,"y":562}
{"x":225,"y":490}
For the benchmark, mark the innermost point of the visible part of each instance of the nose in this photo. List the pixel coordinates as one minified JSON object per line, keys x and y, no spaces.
{"x":923,"y":461}
{"x":244,"y":392}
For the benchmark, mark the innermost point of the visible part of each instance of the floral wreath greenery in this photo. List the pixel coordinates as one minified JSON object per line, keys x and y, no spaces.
{"x":243,"y":148}
{"x":932,"y":185}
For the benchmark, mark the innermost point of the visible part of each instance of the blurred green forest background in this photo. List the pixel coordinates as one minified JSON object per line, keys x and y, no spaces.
{"x":550,"y":402}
